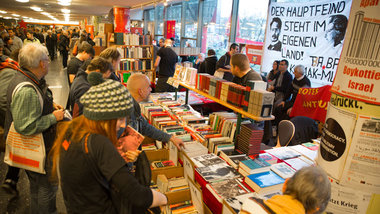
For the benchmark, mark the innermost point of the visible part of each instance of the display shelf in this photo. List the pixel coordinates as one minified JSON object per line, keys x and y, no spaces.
{"x":234,"y":108}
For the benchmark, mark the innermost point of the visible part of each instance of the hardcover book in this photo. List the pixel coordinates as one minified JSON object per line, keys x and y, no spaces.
{"x":265,"y":182}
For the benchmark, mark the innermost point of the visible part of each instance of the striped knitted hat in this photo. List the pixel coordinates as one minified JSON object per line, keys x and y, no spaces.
{"x":106,"y":99}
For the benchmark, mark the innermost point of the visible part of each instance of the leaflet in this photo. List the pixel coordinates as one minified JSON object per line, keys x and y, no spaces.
{"x":362,"y":169}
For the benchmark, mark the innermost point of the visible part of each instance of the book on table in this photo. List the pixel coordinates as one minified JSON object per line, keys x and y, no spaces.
{"x":265,"y":182}
{"x":283,"y":170}
{"x":227,"y":188}
{"x":217,"y":172}
{"x":254,"y":165}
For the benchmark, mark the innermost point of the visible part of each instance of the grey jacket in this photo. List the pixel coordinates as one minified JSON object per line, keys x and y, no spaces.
{"x":139,"y":123}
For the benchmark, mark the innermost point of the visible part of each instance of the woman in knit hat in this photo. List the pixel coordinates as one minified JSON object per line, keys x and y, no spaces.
{"x":87,"y":162}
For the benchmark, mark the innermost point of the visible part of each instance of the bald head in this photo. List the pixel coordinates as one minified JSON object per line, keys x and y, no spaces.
{"x":139,"y":87}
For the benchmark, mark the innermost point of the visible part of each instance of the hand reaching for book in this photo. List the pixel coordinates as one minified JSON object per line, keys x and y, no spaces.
{"x":131,"y":156}
{"x":177,"y":142}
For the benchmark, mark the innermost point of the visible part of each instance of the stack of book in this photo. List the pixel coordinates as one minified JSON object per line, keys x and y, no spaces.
{"x":213,"y":168}
{"x":224,"y":90}
{"x":235,"y":94}
{"x":227,"y":188}
{"x":265,"y":182}
{"x":194,"y":148}
{"x":233,"y":157}
{"x":185,"y":207}
{"x":260,"y":103}
{"x":203,"y":82}
{"x":172,"y":184}
{"x":252,"y":85}
{"x":135,"y":52}
{"x":249,"y":139}
{"x":135,"y":39}
{"x":135,"y":64}
{"x":251,"y":166}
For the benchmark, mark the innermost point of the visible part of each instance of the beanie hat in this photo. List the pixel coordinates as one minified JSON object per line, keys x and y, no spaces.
{"x":106,"y":99}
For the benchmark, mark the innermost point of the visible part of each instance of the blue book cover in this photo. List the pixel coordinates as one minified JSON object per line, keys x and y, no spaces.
{"x":255,"y":163}
{"x":266,"y":179}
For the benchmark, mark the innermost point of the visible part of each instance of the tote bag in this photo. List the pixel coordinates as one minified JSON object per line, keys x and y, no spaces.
{"x":26,"y":152}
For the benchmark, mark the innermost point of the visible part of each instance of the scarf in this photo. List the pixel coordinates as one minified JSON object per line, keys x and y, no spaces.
{"x":9,"y":63}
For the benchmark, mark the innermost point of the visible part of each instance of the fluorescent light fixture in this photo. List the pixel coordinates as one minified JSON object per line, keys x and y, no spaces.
{"x":23,"y":1}
{"x":64,"y":2}
{"x":66,"y":11}
{"x":54,"y":22}
{"x":3,"y":12}
{"x":15,"y":15}
{"x":45,"y":13}
{"x":36,"y":9}
{"x":7,"y":17}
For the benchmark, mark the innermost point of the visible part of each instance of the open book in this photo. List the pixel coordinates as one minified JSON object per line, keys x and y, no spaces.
{"x":130,"y":140}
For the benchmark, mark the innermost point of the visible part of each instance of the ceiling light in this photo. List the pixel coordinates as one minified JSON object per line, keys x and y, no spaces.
{"x":15,"y":15}
{"x":2,"y":11}
{"x":36,"y":9}
{"x":65,"y":11}
{"x":45,"y":13}
{"x":7,"y":17}
{"x":64,"y":2}
{"x":23,"y":1}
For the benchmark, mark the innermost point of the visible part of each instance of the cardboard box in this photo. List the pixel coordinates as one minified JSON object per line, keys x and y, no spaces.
{"x":168,"y":172}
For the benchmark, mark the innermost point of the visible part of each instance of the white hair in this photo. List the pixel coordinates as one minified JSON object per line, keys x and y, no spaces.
{"x":300,"y":69}
{"x":31,"y":54}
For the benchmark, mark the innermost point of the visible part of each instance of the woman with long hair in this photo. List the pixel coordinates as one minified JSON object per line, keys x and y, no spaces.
{"x":272,"y":75}
{"x":86,"y":162}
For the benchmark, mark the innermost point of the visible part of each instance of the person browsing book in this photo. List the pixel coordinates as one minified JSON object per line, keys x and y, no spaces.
{"x":139,"y":86}
{"x":307,"y":191}
{"x":90,"y":168}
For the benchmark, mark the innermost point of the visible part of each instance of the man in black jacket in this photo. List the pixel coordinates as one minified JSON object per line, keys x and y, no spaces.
{"x":64,"y":43}
{"x":283,"y":109}
{"x":223,"y":65}
{"x":81,"y":85}
{"x":283,"y":83}
{"x":209,"y":64}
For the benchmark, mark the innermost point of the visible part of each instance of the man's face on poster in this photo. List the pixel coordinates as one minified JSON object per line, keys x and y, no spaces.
{"x":333,"y":33}
{"x":275,"y":31}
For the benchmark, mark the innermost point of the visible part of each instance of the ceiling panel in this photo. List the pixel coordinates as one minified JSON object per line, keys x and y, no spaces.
{"x":79,"y":9}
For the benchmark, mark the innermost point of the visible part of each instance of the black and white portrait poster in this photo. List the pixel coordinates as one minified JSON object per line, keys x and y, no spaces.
{"x":309,"y":34}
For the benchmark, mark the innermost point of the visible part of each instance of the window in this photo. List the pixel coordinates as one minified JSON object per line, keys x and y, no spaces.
{"x":160,"y":20}
{"x":250,"y":27}
{"x":174,"y":13}
{"x":216,"y":25}
{"x":191,"y":19}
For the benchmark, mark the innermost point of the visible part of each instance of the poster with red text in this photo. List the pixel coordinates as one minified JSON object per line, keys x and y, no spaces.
{"x":312,"y":103}
{"x":358,"y":73}
{"x":170,"y":29}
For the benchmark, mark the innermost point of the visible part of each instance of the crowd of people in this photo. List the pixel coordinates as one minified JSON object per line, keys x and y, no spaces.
{"x":86,"y":155}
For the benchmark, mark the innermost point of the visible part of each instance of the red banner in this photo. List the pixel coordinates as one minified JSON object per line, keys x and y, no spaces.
{"x":137,"y":30}
{"x":121,"y":20}
{"x":169,"y":29}
{"x":254,"y":53}
{"x":312,"y":102}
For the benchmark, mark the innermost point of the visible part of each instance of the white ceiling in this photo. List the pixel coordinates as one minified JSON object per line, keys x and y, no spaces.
{"x":79,"y":9}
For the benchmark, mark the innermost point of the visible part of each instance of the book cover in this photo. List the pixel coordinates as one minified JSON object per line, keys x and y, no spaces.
{"x":268,"y":158}
{"x":283,"y":170}
{"x":266,"y":179}
{"x":217,"y":172}
{"x":255,"y":165}
{"x":207,"y":160}
{"x":229,"y":188}
{"x":130,"y":140}
{"x":283,"y":153}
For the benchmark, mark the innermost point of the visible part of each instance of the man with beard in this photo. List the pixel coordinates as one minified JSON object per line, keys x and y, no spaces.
{"x":275,"y":30}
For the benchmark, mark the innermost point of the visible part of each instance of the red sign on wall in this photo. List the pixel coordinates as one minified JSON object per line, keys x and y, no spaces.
{"x":121,"y":20}
{"x":254,"y":53}
{"x":169,"y":30}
